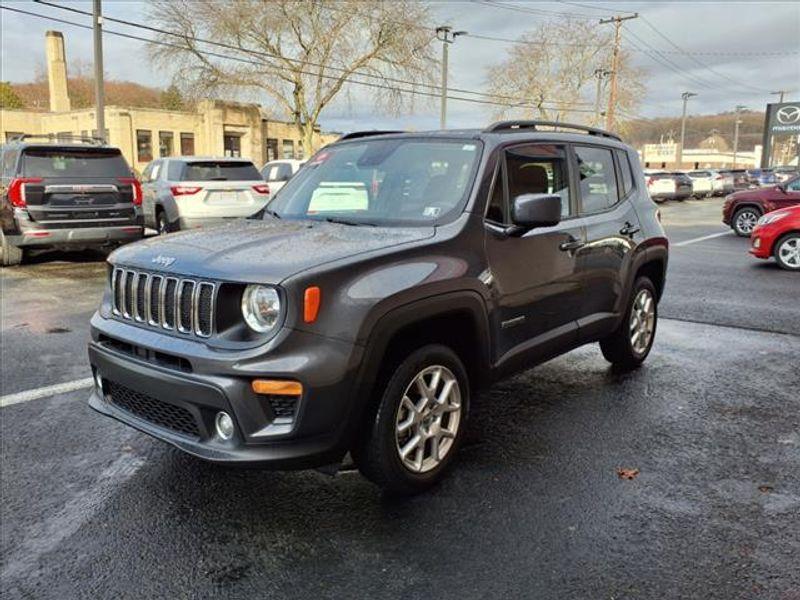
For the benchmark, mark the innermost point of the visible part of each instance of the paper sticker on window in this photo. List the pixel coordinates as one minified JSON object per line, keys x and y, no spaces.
{"x":431,"y":211}
{"x":468,"y":147}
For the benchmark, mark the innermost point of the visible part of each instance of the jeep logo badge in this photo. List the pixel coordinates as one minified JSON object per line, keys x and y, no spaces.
{"x":163,"y":261}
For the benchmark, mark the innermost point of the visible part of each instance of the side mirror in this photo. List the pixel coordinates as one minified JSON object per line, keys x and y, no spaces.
{"x":536,"y":210}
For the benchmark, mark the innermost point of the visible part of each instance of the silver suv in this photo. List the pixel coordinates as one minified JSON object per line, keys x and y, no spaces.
{"x":191,"y":192}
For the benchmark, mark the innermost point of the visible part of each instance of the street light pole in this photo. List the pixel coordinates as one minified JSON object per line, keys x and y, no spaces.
{"x":780,"y":94}
{"x":447,"y":36}
{"x":685,"y":96}
{"x":99,"y":94}
{"x":739,"y":108}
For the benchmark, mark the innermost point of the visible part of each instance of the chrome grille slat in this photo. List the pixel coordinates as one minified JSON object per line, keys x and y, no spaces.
{"x":183,"y":306}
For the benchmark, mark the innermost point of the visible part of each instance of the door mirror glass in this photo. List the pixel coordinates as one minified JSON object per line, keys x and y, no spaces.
{"x":536,"y":210}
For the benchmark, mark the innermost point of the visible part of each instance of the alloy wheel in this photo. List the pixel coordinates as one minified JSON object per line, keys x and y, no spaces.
{"x":746,"y":221}
{"x":789,"y":252}
{"x":428,"y":418}
{"x":643,"y":321}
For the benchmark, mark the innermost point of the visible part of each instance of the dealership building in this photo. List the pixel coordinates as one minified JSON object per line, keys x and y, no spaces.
{"x":212,"y":128}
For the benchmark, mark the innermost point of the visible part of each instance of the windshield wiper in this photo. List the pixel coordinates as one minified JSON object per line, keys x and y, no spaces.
{"x":341,"y":221}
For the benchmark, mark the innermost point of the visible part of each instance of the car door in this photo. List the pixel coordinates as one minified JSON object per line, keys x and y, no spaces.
{"x":149,"y":192}
{"x":534,"y":280}
{"x":606,"y":188}
{"x":789,"y":196}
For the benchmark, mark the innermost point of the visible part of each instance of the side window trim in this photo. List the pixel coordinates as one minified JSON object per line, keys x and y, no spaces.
{"x":619,"y":156}
{"x":499,"y":177}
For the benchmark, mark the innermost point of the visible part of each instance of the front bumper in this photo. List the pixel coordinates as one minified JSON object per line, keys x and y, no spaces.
{"x":197,"y":388}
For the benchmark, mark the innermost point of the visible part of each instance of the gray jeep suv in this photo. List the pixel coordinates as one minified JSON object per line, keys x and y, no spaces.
{"x":394,"y":275}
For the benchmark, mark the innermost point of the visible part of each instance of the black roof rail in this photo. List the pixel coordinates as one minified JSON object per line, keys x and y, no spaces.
{"x":58,"y":138}
{"x":354,"y":135}
{"x":502,"y":126}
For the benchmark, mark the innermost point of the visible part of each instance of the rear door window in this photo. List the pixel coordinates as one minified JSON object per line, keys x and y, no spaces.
{"x":174,"y":168}
{"x":598,"y":181}
{"x":77,"y":163}
{"x":221,"y":171}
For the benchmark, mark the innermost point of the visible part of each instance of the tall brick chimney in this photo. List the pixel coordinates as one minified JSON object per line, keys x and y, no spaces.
{"x":57,"y":72}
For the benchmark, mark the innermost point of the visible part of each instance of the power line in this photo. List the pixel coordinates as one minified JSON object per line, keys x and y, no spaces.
{"x":244,"y":60}
{"x":697,"y":61}
{"x":303,"y":63}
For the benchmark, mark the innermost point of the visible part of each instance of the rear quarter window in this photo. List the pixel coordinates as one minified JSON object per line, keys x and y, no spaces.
{"x":77,"y":163}
{"x":625,"y":171}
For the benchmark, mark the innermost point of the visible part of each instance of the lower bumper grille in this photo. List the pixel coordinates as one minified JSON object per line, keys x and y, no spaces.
{"x":283,"y":407}
{"x":153,"y":410}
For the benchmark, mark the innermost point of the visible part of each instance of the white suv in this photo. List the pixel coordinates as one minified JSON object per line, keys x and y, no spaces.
{"x":277,"y":172}
{"x":191,"y":192}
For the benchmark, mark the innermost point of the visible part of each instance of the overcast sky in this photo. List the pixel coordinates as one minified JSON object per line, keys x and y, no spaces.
{"x":713,"y":31}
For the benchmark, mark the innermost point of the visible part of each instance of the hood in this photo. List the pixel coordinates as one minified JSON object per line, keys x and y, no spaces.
{"x":260,"y":251}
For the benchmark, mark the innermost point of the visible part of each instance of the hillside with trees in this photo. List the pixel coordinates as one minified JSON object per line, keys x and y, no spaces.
{"x":698,"y":128}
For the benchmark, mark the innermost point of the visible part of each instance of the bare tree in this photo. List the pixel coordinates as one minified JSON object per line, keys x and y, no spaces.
{"x":300,"y":54}
{"x":552,"y":70}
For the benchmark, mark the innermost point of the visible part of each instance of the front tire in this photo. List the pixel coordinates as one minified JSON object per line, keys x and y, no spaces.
{"x":413,"y":434}
{"x":10,"y":256}
{"x":629,"y":345}
{"x":744,"y":220}
{"x":787,"y":252}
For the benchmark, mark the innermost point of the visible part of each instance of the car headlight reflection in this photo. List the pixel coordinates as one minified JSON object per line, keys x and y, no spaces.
{"x":261,"y":308}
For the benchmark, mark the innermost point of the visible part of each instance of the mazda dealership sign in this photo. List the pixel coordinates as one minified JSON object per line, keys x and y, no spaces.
{"x":784,"y":118}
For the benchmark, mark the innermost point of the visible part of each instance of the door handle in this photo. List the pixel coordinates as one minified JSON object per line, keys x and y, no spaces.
{"x":629,"y":229}
{"x":573,"y":244}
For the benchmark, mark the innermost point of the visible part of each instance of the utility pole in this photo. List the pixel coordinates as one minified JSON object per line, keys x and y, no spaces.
{"x":736,"y":123}
{"x":780,"y":94}
{"x":447,"y":36}
{"x":612,"y":96}
{"x":99,"y":94}
{"x":685,"y":96}
{"x":599,"y":73}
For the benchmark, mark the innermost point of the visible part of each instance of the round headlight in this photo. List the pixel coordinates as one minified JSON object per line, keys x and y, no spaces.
{"x":261,"y":307}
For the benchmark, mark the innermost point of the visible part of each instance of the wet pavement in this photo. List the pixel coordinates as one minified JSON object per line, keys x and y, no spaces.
{"x":534,"y":507}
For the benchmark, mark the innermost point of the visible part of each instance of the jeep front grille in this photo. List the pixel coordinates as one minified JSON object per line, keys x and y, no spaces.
{"x":171,"y":303}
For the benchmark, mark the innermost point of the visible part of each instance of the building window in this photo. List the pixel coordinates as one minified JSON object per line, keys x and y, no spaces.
{"x":300,"y":150}
{"x":187,"y":144}
{"x":288,"y":149}
{"x":165,"y":144}
{"x":144,"y":146}
{"x":232,"y":144}
{"x":272,"y":149}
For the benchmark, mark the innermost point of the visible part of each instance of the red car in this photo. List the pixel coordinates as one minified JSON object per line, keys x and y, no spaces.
{"x":778,"y":234}
{"x":743,"y":209}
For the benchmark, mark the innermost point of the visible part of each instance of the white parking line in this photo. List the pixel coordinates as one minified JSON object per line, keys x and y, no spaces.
{"x":702,"y":239}
{"x":43,"y":392}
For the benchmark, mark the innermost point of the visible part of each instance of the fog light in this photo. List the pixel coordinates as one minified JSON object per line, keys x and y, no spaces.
{"x":757,"y":243}
{"x":224,"y":425}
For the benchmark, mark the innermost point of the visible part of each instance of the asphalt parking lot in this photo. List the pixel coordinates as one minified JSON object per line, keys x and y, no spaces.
{"x":534,"y":507}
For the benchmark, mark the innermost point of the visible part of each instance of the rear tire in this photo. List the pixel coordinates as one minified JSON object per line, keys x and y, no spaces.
{"x":11,"y":255}
{"x":387,"y":453}
{"x":744,"y":220}
{"x":629,"y":345}
{"x":787,"y":251}
{"x":162,"y":223}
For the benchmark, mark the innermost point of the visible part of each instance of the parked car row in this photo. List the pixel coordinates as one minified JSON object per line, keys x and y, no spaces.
{"x":705,"y":183}
{"x":81,"y":193}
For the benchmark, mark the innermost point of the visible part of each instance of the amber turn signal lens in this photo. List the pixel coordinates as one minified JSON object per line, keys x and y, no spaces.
{"x":311,"y":303}
{"x":277,"y":388}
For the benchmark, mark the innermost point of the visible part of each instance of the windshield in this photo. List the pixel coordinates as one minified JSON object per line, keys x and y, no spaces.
{"x":78,"y":162}
{"x":388,"y":182}
{"x":211,"y":170}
